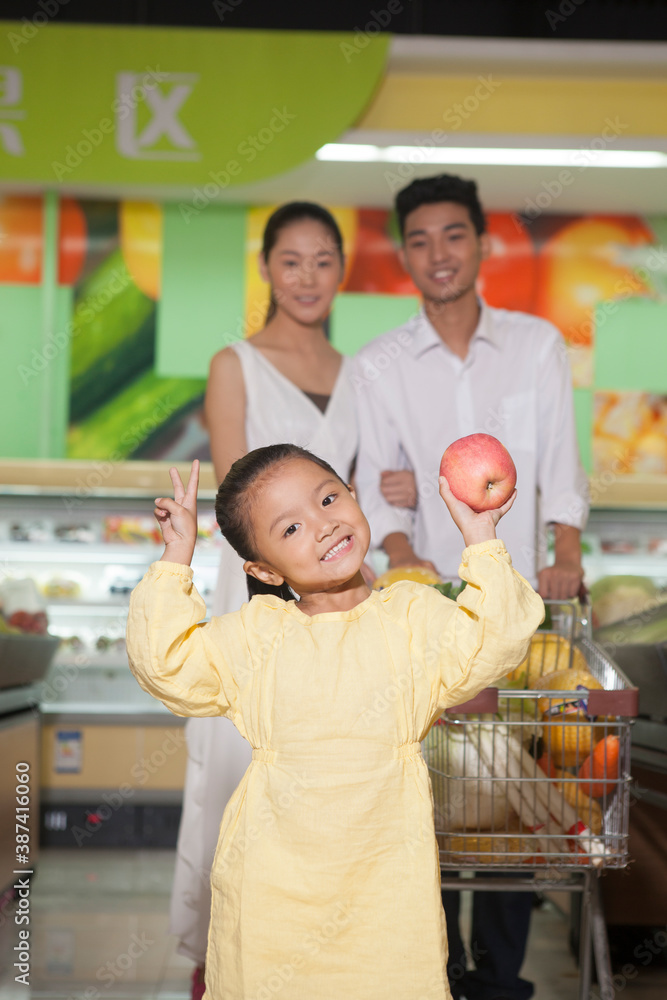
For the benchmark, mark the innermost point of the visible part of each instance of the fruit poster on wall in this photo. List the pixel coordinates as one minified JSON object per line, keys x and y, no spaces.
{"x":110,"y":253}
{"x":580,"y":272}
{"x":119,"y":407}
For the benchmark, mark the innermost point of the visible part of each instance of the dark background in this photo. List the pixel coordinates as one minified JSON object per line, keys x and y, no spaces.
{"x":621,"y":20}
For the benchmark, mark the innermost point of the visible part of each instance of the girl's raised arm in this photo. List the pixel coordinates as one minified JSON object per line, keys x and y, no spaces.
{"x":469,"y":644}
{"x":192,"y":666}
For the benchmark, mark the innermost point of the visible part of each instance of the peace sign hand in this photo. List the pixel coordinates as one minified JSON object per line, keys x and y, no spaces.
{"x":178,"y":517}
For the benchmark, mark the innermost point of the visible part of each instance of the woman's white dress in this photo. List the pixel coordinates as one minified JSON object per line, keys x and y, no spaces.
{"x":218,"y":756}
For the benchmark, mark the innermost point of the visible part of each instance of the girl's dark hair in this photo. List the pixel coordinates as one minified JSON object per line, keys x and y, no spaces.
{"x":444,"y":187}
{"x":285,"y":215}
{"x":232,"y":504}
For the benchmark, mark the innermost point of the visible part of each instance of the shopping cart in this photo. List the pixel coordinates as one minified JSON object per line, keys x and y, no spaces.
{"x":539,"y":780}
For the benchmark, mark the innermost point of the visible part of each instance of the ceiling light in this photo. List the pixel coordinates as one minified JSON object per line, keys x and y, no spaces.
{"x":580,"y":157}
{"x":354,"y":152}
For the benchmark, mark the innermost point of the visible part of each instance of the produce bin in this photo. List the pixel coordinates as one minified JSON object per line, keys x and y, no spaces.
{"x":25,"y":659}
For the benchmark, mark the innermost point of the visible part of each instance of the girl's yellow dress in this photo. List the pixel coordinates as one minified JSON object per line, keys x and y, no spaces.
{"x":326,"y":882}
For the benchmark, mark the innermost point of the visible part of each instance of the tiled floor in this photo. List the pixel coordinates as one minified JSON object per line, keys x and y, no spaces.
{"x":99,"y":930}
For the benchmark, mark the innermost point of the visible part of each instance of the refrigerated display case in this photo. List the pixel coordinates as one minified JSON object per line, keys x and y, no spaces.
{"x":626,"y":542}
{"x":112,"y":758}
{"x":633,"y":543}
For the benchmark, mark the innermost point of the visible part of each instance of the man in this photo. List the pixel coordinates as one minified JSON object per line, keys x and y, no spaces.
{"x":458,"y":368}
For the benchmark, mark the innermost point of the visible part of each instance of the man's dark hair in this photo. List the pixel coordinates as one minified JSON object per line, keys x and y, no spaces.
{"x":444,"y":187}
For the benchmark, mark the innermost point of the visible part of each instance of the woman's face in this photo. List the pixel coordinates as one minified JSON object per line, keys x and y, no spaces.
{"x":308,"y":529}
{"x":304,"y":269}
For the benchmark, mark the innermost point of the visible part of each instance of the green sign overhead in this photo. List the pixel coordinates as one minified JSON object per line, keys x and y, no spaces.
{"x":160,"y":106}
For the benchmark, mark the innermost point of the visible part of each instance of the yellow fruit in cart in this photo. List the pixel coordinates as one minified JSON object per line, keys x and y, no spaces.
{"x":570,"y":737}
{"x":567,"y":741}
{"x":419,"y":574}
{"x":547,"y":653}
{"x":564,"y":680}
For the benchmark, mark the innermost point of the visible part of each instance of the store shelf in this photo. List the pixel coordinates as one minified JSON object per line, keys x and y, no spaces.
{"x":81,"y":609}
{"x":116,"y":711}
{"x":596,"y":566}
{"x":76,"y":553}
{"x":16,"y":699}
{"x":79,"y":481}
{"x":91,"y":660}
{"x":628,"y":493}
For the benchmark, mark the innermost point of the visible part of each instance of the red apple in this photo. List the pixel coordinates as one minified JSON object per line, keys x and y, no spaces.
{"x":480,"y":471}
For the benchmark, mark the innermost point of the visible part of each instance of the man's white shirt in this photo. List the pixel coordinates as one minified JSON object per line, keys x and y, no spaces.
{"x":415,"y":396}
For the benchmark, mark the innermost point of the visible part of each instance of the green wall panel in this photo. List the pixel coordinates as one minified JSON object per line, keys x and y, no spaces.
{"x":34,"y":375}
{"x":203,"y":288}
{"x":583,"y":415}
{"x":358,"y":318}
{"x":58,"y":410}
{"x":630,"y":352}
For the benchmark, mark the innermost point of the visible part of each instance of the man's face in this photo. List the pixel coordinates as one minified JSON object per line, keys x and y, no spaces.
{"x":442,"y":252}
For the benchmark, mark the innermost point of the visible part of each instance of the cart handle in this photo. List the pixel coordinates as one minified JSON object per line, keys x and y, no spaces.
{"x":624,"y":702}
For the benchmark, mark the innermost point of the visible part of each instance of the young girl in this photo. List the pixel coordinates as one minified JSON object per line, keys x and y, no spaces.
{"x":326,"y":878}
{"x":286,"y":383}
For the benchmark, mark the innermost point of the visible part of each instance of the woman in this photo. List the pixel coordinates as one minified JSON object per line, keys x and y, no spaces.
{"x":285,"y":384}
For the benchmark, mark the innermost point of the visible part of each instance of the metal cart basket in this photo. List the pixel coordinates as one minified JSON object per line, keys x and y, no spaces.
{"x":537,"y":778}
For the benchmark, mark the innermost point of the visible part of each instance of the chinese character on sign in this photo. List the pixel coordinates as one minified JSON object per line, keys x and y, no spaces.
{"x":11,"y":92}
{"x":163,"y":136}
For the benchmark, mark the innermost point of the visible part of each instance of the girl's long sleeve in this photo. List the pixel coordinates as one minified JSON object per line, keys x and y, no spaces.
{"x":486,"y":633}
{"x":176,"y":658}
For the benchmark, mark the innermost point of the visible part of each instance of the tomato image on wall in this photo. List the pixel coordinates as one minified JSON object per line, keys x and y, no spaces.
{"x":508,"y":277}
{"x":22,"y":240}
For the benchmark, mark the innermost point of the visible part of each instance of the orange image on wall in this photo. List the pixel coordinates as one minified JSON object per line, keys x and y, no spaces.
{"x":630,"y":433}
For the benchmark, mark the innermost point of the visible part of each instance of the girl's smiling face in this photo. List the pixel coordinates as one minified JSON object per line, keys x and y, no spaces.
{"x":308,"y":529}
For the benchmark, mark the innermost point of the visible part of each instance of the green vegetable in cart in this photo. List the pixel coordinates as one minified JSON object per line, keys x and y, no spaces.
{"x":449,"y":589}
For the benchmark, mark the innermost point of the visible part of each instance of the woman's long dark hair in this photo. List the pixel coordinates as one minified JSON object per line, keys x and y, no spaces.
{"x":285,"y":215}
{"x":233,"y":502}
